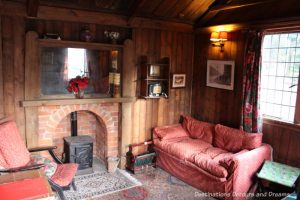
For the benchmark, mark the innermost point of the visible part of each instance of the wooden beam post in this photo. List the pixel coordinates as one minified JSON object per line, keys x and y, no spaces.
{"x":1,"y":74}
{"x":128,"y":90}
{"x":31,"y":88}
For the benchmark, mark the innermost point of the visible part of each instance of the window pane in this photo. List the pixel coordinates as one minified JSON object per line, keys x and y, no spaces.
{"x":284,"y":42}
{"x":275,"y":41}
{"x":292,"y":39}
{"x":279,"y":75}
{"x":292,"y":114}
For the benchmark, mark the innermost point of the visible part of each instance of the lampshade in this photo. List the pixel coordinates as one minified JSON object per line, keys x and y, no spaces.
{"x":223,"y":36}
{"x":214,"y":36}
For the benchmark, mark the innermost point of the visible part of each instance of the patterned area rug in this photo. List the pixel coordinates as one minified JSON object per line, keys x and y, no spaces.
{"x":158,"y":185}
{"x":100,"y":183}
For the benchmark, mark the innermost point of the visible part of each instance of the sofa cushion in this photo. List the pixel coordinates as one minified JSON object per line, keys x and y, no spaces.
{"x":252,"y":140}
{"x":187,"y":148}
{"x":169,"y":132}
{"x":198,"y":129}
{"x":205,"y":162}
{"x":165,"y":144}
{"x":235,"y":140}
{"x":227,"y":138}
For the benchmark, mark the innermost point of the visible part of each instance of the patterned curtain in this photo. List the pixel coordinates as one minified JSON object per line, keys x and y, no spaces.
{"x":251,"y":120}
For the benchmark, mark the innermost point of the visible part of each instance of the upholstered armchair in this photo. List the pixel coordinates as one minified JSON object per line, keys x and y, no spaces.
{"x":14,"y":156}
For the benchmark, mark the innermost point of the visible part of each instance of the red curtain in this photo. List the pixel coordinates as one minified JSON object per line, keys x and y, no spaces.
{"x":251,"y":120}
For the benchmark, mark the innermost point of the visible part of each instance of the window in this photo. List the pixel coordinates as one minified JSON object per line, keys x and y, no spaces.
{"x":280,"y":75}
{"x":76,"y":62}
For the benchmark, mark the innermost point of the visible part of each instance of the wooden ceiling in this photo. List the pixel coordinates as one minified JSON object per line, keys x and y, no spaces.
{"x":200,"y":13}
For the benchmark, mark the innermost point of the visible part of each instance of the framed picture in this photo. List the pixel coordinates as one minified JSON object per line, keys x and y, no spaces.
{"x":154,"y":70}
{"x":178,"y":80}
{"x":220,"y":74}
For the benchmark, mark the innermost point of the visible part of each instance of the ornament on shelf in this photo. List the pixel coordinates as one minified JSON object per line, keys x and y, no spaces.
{"x":112,"y":35}
{"x":86,"y":35}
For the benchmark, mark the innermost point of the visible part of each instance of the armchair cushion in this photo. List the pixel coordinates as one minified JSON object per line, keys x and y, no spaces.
{"x":11,"y":139}
{"x":198,"y":129}
{"x":49,"y":166}
{"x":64,"y":174}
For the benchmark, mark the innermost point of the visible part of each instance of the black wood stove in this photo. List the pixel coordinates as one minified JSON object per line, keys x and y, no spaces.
{"x":79,"y":149}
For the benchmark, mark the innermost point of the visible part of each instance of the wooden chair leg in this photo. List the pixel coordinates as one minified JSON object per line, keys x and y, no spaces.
{"x":73,"y":185}
{"x":58,"y":189}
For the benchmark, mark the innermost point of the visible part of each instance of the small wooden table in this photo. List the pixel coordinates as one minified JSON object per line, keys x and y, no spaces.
{"x":279,"y":174}
{"x":27,"y":185}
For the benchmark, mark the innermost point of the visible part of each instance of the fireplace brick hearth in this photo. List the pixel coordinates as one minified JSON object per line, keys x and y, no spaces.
{"x":100,"y":121}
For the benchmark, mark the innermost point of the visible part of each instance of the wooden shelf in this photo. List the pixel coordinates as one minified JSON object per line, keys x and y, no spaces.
{"x":76,"y":44}
{"x":57,"y":102}
{"x":150,"y":97}
{"x":155,"y":79}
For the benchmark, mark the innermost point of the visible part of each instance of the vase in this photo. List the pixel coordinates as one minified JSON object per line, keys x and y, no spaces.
{"x":86,"y":35}
{"x":79,"y":94}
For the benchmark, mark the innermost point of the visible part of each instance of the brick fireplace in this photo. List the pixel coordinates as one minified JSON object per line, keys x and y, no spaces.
{"x":98,"y":120}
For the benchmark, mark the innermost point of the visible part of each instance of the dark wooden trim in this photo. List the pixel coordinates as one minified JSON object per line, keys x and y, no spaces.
{"x":285,"y":125}
{"x":32,"y":8}
{"x":76,"y":44}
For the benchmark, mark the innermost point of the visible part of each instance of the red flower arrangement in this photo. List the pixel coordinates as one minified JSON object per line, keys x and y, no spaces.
{"x":78,"y":83}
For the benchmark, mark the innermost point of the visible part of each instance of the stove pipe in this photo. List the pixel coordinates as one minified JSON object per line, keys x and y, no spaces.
{"x":73,"y":124}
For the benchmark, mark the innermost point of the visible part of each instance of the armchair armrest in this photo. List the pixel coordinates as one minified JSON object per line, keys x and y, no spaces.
{"x":246,"y":166}
{"x":46,"y":148}
{"x":50,"y":149}
{"x":25,"y":168}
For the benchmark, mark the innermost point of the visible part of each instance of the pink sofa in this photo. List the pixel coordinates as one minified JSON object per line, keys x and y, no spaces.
{"x":216,"y":159}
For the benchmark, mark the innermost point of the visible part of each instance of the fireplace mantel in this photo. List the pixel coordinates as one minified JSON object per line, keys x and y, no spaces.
{"x":57,"y":102}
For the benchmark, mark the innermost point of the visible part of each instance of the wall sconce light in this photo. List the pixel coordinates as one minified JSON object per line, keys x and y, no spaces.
{"x":218,"y":39}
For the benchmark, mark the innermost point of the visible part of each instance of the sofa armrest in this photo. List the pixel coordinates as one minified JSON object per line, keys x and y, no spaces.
{"x":246,"y":165}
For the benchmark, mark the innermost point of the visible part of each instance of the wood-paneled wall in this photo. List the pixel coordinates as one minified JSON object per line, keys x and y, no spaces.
{"x":158,"y":43}
{"x":285,"y":140}
{"x":223,"y":106}
{"x":178,"y":47}
{"x":212,"y":104}
{"x":13,"y":39}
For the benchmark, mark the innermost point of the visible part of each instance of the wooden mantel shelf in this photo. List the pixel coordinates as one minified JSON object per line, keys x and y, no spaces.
{"x":57,"y":102}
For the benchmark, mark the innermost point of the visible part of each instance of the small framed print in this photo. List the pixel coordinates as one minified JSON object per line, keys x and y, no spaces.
{"x":178,"y":80}
{"x":220,"y":74}
{"x":154,"y":70}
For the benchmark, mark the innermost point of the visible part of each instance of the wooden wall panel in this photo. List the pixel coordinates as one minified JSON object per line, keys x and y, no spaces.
{"x":12,"y":39}
{"x":213,"y":104}
{"x":285,"y":141}
{"x":178,"y":47}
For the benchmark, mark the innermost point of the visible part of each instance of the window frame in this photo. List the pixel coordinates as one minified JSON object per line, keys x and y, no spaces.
{"x":296,"y":120}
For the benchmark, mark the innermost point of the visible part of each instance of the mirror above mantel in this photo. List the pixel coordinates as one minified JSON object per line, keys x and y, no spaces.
{"x":51,"y":63}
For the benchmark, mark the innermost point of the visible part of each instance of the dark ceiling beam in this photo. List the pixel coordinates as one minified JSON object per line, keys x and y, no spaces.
{"x":199,"y":21}
{"x":32,"y":8}
{"x":221,"y":5}
{"x":134,"y":9}
{"x":236,"y":5}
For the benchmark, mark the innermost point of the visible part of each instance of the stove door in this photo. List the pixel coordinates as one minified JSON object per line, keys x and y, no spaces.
{"x":84,"y":156}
